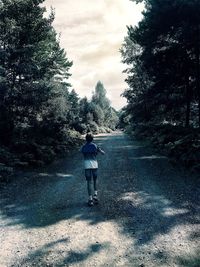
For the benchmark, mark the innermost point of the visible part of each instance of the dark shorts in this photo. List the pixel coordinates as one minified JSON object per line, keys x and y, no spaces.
{"x":90,"y":173}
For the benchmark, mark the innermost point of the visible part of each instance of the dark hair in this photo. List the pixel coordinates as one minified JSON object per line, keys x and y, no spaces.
{"x":89,"y":137}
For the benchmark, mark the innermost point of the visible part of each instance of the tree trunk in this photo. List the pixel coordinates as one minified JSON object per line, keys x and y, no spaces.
{"x":197,"y":52}
{"x":188,"y":101}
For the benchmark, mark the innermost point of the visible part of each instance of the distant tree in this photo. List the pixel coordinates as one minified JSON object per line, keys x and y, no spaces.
{"x":84,"y":109}
{"x":73,"y":112}
{"x":104,"y":114}
{"x":99,"y":96}
{"x":97,"y":114}
{"x":111,"y":118}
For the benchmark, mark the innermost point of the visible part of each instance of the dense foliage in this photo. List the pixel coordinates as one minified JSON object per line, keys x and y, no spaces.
{"x":163,"y":73}
{"x":32,"y":67}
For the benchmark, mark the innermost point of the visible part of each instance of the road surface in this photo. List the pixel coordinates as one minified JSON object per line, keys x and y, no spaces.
{"x":148,"y":214}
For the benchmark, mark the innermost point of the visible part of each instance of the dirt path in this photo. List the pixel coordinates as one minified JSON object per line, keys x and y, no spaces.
{"x":148,"y":215}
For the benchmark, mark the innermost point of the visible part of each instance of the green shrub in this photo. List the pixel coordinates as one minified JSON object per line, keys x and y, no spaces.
{"x":181,"y":144}
{"x":93,"y":127}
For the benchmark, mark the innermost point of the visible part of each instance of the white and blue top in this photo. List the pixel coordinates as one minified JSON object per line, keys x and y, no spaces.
{"x":90,"y":151}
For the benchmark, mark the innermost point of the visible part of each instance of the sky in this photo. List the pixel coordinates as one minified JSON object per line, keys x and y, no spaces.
{"x":92,"y":32}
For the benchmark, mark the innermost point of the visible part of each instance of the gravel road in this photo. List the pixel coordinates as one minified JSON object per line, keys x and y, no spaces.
{"x":148,"y":214}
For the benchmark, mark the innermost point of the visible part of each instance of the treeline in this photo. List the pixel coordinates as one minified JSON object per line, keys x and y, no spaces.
{"x":97,"y":115}
{"x":163,"y":77}
{"x":40,"y":115}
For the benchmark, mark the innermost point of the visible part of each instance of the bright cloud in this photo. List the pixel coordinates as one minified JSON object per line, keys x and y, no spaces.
{"x":92,"y":33}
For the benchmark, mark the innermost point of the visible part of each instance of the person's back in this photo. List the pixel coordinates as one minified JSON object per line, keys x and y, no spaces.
{"x":90,"y":151}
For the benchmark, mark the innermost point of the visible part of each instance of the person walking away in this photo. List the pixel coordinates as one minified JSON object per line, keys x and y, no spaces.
{"x":90,"y":151}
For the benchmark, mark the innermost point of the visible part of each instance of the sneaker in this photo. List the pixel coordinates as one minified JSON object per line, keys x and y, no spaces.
{"x":95,"y":199}
{"x":90,"y":203}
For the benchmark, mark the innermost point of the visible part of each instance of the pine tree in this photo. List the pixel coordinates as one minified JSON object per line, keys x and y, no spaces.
{"x":104,"y":115}
{"x":170,"y":57}
{"x":32,"y":64}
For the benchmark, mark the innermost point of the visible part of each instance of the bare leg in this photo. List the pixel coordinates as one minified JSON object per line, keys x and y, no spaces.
{"x":95,"y":183}
{"x":89,"y":187}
